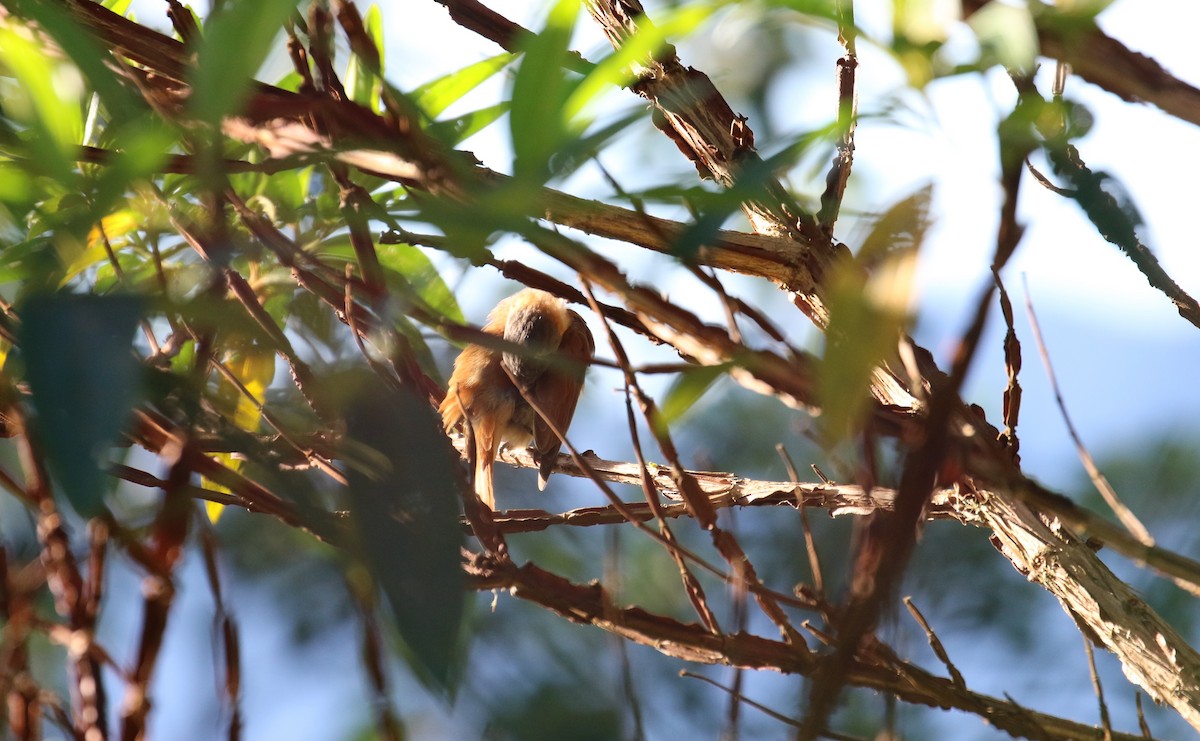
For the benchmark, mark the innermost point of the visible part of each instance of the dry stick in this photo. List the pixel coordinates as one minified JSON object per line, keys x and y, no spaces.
{"x":761,"y":592}
{"x":810,"y":545}
{"x":373,"y":657}
{"x":1026,"y":490}
{"x":733,"y":692}
{"x":93,"y":698}
{"x":743,"y":572}
{"x":320,"y":462}
{"x":775,"y":714}
{"x":156,"y":434}
{"x":358,"y":333}
{"x":224,"y":625}
{"x":1123,"y":513}
{"x":305,"y":270}
{"x":302,"y":375}
{"x":20,"y":696}
{"x":1105,"y":721}
{"x":847,"y":119}
{"x":1012,"y":365}
{"x":1142,"y":724}
{"x":698,"y":119}
{"x":887,"y":543}
{"x":934,"y":643}
{"x":589,"y":604}
{"x":692,"y":586}
{"x":478,"y":18}
{"x":65,"y":581}
{"x":158,"y":588}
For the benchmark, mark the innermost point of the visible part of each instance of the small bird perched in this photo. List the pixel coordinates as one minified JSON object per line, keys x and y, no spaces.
{"x":484,"y":388}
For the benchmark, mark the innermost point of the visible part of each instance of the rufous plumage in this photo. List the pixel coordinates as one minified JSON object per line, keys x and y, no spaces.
{"x":488,"y":389}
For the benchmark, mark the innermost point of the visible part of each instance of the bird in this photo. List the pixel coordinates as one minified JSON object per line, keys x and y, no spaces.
{"x":488,"y":389}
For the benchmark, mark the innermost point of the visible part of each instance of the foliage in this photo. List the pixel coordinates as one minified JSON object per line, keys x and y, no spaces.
{"x":227,"y":302}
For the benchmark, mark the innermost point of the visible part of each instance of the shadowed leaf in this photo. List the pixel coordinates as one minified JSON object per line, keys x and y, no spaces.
{"x":404,"y":511}
{"x":688,"y":388}
{"x":84,"y":379}
{"x":867,"y":312}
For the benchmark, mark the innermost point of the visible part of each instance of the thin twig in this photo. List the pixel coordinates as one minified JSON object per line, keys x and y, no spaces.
{"x":692,"y":587}
{"x":225,"y":626}
{"x":810,"y":545}
{"x":1143,"y":726}
{"x":1105,"y":721}
{"x":938,"y":649}
{"x":1123,"y":513}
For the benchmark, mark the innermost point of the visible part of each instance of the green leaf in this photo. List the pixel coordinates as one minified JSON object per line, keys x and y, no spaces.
{"x":84,"y":379}
{"x":618,"y":68}
{"x":120,"y":7}
{"x":540,"y":90}
{"x":235,"y":43}
{"x":1006,"y":34}
{"x":404,"y":496}
{"x":45,"y":100}
{"x":417,"y":268}
{"x":89,"y":57}
{"x":687,"y":389}
{"x":454,"y":131}
{"x":363,"y":83}
{"x":867,"y":312}
{"x":437,"y":95}
{"x":413,"y":269}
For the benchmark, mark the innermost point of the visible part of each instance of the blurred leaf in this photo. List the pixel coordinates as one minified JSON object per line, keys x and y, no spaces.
{"x":290,"y":190}
{"x":579,"y":711}
{"x":363,"y":84}
{"x":255,"y":368}
{"x":16,"y":185}
{"x":578,"y":150}
{"x":867,"y":311}
{"x":84,"y":379}
{"x":1007,"y":34}
{"x":235,"y":43}
{"x":617,"y":70}
{"x":539,"y":92}
{"x":438,"y":95}
{"x":454,"y":131}
{"x":687,"y":389}
{"x":404,"y":509}
{"x":1077,"y":9}
{"x":120,"y":7}
{"x":923,"y":21}
{"x":414,"y":265}
{"x":46,"y":99}
{"x":89,"y":57}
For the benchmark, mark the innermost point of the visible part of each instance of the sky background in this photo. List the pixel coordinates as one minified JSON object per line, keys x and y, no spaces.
{"x":1126,"y":362}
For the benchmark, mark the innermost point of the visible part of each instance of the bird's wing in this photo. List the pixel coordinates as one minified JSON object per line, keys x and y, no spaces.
{"x":557,"y":391}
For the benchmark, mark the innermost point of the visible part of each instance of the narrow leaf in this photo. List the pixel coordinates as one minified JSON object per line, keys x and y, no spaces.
{"x":404,"y":510}
{"x":84,"y":379}
{"x":687,"y":390}
{"x":540,"y":89}
{"x":438,"y":95}
{"x":868,"y":308}
{"x":235,"y":43}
